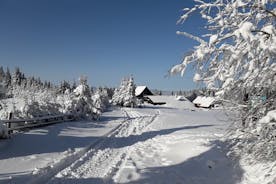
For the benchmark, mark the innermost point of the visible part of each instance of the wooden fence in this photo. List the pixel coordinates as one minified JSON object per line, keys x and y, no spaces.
{"x":21,"y":124}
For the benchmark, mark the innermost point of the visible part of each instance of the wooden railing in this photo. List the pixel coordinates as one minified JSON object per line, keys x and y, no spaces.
{"x":21,"y":124}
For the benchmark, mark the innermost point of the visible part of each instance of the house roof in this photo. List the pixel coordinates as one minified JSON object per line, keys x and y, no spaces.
{"x":204,"y":101}
{"x":139,"y":90}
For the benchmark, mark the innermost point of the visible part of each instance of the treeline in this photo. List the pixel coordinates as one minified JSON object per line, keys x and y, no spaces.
{"x":200,"y":91}
{"x":10,"y":80}
{"x":18,"y":78}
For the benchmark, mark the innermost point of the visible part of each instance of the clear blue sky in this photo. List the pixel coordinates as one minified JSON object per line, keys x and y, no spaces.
{"x":102,"y":39}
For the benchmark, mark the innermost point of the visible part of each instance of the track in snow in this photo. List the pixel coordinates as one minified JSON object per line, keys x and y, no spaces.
{"x":103,"y":159}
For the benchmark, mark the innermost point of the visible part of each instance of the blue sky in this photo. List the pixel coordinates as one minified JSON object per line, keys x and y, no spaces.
{"x":102,"y":39}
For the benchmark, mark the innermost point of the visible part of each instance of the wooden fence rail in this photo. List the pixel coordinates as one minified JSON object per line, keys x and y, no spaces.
{"x":21,"y":124}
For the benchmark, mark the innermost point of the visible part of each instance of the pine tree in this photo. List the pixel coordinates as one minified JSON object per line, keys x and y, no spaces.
{"x":64,"y":85}
{"x":2,"y":74}
{"x":17,"y":77}
{"x":8,"y":78}
{"x":125,"y":94}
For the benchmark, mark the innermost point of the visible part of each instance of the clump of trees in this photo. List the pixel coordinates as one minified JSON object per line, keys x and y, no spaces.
{"x":237,"y":59}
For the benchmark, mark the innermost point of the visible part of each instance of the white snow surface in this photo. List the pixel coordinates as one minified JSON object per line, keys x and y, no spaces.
{"x":174,"y":143}
{"x":271,"y":116}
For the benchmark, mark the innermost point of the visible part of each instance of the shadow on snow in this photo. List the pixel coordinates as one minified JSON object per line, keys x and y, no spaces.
{"x":210,"y":167}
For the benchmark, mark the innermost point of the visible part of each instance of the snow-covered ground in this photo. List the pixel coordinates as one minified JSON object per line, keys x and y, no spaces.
{"x":25,"y":154}
{"x":173,"y":143}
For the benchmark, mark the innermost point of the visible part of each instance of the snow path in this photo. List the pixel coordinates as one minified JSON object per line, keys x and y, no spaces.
{"x":109,"y":154}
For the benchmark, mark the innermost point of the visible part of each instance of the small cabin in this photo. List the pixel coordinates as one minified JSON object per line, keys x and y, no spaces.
{"x":192,"y":97}
{"x":142,"y":91}
{"x":205,"y":102}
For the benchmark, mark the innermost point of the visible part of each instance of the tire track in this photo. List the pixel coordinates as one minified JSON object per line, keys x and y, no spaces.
{"x":104,"y":158}
{"x":47,"y":173}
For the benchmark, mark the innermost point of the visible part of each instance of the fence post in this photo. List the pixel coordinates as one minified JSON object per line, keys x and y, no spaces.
{"x":9,"y":124}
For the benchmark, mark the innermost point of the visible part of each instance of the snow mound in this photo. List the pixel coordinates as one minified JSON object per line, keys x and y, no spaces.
{"x":271,"y":116}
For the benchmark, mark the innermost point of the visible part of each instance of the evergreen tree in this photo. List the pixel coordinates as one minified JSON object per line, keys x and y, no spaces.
{"x":74,"y":86}
{"x":17,"y":77}
{"x":8,"y":78}
{"x":2,"y":74}
{"x":125,"y":94}
{"x":64,"y":85}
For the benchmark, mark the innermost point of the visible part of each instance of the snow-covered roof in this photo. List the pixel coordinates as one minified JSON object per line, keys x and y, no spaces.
{"x":204,"y":101}
{"x":139,"y":90}
{"x":180,"y":98}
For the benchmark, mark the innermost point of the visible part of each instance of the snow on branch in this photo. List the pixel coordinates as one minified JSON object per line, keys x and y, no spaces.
{"x":191,"y":36}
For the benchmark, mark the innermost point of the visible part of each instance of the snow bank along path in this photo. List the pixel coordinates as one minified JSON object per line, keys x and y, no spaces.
{"x":103,"y":158}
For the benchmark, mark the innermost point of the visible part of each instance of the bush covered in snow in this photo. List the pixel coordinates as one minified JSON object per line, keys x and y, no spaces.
{"x":125,"y":94}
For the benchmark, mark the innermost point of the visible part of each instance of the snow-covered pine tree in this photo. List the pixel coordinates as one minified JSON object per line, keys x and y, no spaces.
{"x":237,"y":58}
{"x":17,"y":77}
{"x":8,"y":79}
{"x":64,"y":85}
{"x":2,"y":74}
{"x":82,"y":103}
{"x":101,"y":99}
{"x":125,"y":94}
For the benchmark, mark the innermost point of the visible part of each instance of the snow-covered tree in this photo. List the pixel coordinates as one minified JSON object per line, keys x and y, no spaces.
{"x":2,"y":74}
{"x":101,"y":99}
{"x":125,"y":94}
{"x":2,"y":90}
{"x":82,"y":103}
{"x":64,"y":85}
{"x":8,"y":78}
{"x":17,"y":77}
{"x":237,"y":58}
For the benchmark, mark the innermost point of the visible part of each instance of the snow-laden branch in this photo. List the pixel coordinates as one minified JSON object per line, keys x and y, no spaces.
{"x":191,"y":36}
{"x":241,"y":36}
